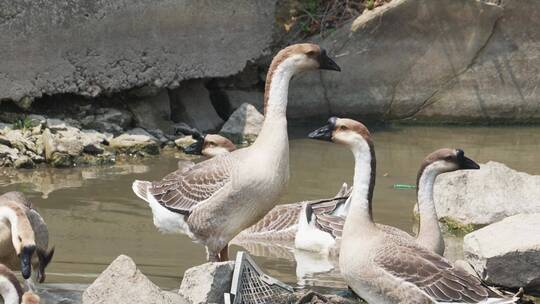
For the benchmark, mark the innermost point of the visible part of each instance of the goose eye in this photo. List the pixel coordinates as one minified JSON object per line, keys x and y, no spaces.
{"x":448,"y":158}
{"x":20,"y":239}
{"x":310,"y":53}
{"x":343,"y":128}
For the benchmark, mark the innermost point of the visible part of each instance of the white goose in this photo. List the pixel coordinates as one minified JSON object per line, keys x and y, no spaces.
{"x":214,"y":200}
{"x":384,"y":267}
{"x":24,"y":237}
{"x":12,"y":291}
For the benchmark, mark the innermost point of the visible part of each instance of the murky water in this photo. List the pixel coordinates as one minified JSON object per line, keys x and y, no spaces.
{"x":93,"y":216}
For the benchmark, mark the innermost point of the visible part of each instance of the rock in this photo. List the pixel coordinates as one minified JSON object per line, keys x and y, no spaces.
{"x":183,"y":142}
{"x":24,"y":162}
{"x":108,"y":120}
{"x":153,"y":112}
{"x":36,"y":120}
{"x":108,"y":48}
{"x":64,"y":148}
{"x":484,"y":196}
{"x":191,"y":104}
{"x":55,"y":124}
{"x":136,"y":142}
{"x":507,"y":253}
{"x":122,"y":282}
{"x":18,"y":139}
{"x":8,"y":155}
{"x":237,"y":98}
{"x":244,"y":122}
{"x":4,"y":127}
{"x":393,"y":76}
{"x":207,"y":283}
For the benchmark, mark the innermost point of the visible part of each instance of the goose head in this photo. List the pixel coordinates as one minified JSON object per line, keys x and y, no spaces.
{"x":447,"y":160}
{"x":30,"y":298}
{"x":22,"y":237}
{"x":303,"y":57}
{"x":209,"y":145}
{"x":346,"y":132}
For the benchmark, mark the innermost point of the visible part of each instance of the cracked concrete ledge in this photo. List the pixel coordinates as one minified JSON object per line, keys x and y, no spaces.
{"x":95,"y":47}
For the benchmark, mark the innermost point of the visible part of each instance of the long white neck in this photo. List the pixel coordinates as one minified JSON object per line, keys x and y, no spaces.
{"x":9,"y":215}
{"x":360,"y":207}
{"x":275,"y":121}
{"x":429,"y":234}
{"x":8,"y":291}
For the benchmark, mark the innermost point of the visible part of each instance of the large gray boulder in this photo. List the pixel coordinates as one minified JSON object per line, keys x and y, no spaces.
{"x":487,"y":195}
{"x":91,"y":47}
{"x":123,"y":283}
{"x":450,"y":60}
{"x":507,"y":253}
{"x":207,"y":283}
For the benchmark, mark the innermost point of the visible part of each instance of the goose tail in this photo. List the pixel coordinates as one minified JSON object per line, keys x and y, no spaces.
{"x":140,"y":188}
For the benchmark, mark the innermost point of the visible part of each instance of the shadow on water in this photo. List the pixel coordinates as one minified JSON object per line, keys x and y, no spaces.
{"x":93,"y":216}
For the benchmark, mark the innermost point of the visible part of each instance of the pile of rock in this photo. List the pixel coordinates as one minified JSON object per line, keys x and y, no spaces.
{"x":61,"y":143}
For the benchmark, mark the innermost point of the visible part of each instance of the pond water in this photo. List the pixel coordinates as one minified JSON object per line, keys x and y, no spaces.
{"x":93,"y":216}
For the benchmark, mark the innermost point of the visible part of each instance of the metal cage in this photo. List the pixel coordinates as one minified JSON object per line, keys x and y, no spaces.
{"x":251,"y":286}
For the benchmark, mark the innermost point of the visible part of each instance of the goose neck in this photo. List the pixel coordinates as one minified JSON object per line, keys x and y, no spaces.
{"x":363,"y":186}
{"x":9,"y":215}
{"x":429,"y":223}
{"x":10,"y":293}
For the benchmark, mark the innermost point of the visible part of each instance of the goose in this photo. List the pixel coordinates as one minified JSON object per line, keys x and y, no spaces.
{"x":12,"y":291}
{"x":23,"y":232}
{"x":209,"y":145}
{"x":383,"y":267}
{"x":322,"y":230}
{"x":214,"y":200}
{"x":281,"y":223}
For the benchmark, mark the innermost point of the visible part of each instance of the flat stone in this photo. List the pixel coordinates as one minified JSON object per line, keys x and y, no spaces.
{"x":207,"y":283}
{"x":136,"y":141}
{"x":123,"y":282}
{"x":485,"y":196}
{"x":507,"y":253}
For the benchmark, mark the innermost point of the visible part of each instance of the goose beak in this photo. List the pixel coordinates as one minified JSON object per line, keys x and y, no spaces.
{"x":195,"y":148}
{"x":468,"y":163}
{"x":326,"y":63}
{"x":26,"y":261}
{"x":322,"y":133}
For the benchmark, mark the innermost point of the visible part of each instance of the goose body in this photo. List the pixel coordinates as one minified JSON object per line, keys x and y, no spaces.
{"x":21,"y":220}
{"x":12,"y":291}
{"x":216,"y":199}
{"x":383,"y":267}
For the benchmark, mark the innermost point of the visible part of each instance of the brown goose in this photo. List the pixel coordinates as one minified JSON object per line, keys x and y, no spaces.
{"x":214,"y":200}
{"x":12,"y":291}
{"x":23,"y":232}
{"x":383,"y":267}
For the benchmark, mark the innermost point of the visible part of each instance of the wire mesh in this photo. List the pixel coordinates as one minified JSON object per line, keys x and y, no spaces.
{"x":251,"y":286}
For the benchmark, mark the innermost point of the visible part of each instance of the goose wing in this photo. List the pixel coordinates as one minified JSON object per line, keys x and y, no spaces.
{"x":324,"y":220}
{"x":183,"y":189}
{"x":431,"y":273}
{"x":280,"y":218}
{"x":183,"y":167}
